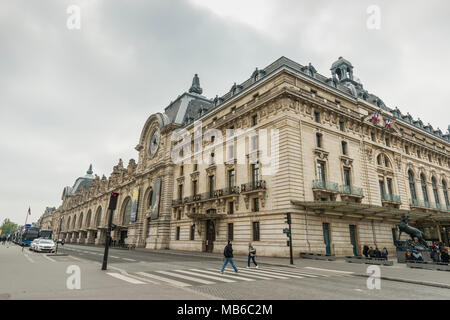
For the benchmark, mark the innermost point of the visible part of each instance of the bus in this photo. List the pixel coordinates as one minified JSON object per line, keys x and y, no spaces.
{"x":28,"y":235}
{"x":45,"y":234}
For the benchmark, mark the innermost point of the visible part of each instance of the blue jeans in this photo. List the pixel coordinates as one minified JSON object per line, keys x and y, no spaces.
{"x":253,"y":258}
{"x":232,"y":264}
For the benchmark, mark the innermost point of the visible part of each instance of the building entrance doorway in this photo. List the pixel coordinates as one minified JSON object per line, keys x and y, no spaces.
{"x":210,"y":235}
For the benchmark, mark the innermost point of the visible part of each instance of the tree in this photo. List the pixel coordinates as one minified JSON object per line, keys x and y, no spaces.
{"x":8,"y":227}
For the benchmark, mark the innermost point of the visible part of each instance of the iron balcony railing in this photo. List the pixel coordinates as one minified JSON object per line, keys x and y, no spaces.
{"x":426,"y":204}
{"x":352,"y":190}
{"x":254,"y":185}
{"x":390,"y":197}
{"x":326,"y":185}
{"x":226,"y":191}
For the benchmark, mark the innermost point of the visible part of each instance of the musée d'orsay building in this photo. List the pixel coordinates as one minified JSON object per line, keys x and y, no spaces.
{"x":288,"y":139}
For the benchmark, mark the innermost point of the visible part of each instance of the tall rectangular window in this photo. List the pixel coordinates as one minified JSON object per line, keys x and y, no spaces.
{"x":388,"y":144}
{"x":372,"y":136}
{"x":230,"y":231}
{"x":321,"y":171}
{"x":319,"y":140}
{"x":180,"y":192}
{"x":255,"y":174}
{"x":344,"y":147}
{"x":181,"y":170}
{"x":341,"y":125}
{"x":347,"y":177}
{"x":211,"y":186}
{"x":256,"y":231}
{"x":383,"y":192}
{"x":178,"y":233}
{"x":389,"y":186}
{"x":231,"y":182}
{"x":194,"y":187}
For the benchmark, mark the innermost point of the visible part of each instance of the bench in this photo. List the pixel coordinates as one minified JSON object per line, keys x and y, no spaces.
{"x":316,"y":256}
{"x":378,"y":261}
{"x":442,"y":266}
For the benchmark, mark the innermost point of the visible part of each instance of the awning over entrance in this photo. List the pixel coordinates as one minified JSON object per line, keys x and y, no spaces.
{"x":360,"y":210}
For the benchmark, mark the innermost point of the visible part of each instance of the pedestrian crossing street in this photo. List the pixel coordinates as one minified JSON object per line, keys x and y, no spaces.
{"x":211,"y":276}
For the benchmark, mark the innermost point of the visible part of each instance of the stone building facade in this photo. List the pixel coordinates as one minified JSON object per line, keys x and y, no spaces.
{"x":288,"y":139}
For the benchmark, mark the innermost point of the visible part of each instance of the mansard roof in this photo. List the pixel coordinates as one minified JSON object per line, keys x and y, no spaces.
{"x":191,"y":105}
{"x":80,"y":183}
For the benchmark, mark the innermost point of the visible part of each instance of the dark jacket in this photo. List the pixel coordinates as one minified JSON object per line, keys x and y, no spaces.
{"x":228,"y":251}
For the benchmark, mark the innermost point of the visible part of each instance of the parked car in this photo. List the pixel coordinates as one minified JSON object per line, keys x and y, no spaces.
{"x":33,"y":244}
{"x":45,"y":245}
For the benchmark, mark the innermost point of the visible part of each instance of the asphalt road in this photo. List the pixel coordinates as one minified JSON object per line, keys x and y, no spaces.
{"x":166,"y":275}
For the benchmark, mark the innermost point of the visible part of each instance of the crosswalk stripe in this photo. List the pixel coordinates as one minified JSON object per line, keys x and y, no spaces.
{"x":276,"y":273}
{"x":256,"y":276}
{"x":204,"y":275}
{"x":231,"y":276}
{"x":225,"y":275}
{"x":127,"y":259}
{"x":186,"y":277}
{"x":311,"y":275}
{"x":330,"y":270}
{"x":125,"y":278}
{"x":154,"y":276}
{"x":266,"y":274}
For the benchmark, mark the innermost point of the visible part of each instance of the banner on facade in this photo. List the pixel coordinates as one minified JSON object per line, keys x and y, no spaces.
{"x":134,"y":204}
{"x":156,"y":197}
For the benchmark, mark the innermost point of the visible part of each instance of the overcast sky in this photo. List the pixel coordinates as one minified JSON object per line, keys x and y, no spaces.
{"x":69,"y":98}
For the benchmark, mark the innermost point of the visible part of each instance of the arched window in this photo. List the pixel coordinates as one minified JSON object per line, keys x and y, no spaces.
{"x":88,"y":219}
{"x":424,"y":187}
{"x":435,"y":190}
{"x":379,"y":160}
{"x":98,"y":216}
{"x":150,"y":199}
{"x":444,"y":187}
{"x":126,"y":211}
{"x":80,"y":223}
{"x":412,"y":186}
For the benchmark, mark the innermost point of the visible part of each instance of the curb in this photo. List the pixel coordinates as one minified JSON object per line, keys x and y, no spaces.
{"x":423,"y":283}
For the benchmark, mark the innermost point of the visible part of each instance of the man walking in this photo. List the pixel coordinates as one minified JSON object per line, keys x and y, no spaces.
{"x":251,"y":255}
{"x":228,"y":253}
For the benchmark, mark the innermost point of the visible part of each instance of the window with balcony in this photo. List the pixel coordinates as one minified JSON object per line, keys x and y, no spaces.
{"x":211,"y":185}
{"x":389,"y":186}
{"x":347,"y":181}
{"x":231,"y":182}
{"x":382,"y":190}
{"x":255,"y":174}
{"x":194,"y":187}
{"x":256,"y":231}
{"x":321,"y":174}
{"x":412,"y":185}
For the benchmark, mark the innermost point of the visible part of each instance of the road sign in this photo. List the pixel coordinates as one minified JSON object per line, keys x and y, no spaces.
{"x":27,"y":226}
{"x":286,"y":230}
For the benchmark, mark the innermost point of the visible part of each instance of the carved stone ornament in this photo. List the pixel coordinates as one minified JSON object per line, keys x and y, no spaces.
{"x":321,"y":154}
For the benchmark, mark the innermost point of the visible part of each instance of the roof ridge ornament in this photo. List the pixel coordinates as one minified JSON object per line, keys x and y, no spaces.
{"x":196,"y":85}
{"x":90,"y":169}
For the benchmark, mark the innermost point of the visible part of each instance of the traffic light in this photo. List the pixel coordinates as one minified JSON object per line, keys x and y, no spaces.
{"x":113,"y":201}
{"x":288,"y":218}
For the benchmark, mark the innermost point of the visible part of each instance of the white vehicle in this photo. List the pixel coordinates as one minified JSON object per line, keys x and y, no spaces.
{"x":33,"y":244}
{"x":44,"y":245}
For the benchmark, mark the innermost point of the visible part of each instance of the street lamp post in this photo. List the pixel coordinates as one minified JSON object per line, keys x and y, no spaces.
{"x":111,"y":207}
{"x":59,"y":232}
